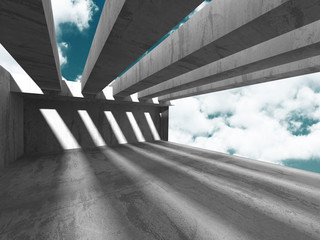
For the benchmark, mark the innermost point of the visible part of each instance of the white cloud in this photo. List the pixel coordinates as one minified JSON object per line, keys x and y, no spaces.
{"x":78,"y":12}
{"x":266,"y":121}
{"x":64,"y":44}
{"x":62,"y":48}
{"x":62,"y":57}
{"x":78,"y":78}
{"x":194,"y":122}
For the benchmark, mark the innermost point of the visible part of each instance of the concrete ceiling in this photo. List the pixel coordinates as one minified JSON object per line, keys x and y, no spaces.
{"x":241,"y":43}
{"x":27,"y":32}
{"x":295,"y":45}
{"x":137,"y":27}
{"x":221,"y":29}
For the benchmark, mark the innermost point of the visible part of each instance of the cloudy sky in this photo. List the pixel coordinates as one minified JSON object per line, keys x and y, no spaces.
{"x":75,"y":23}
{"x":276,"y":122}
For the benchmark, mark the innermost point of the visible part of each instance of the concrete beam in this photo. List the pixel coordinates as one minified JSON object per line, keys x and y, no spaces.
{"x":296,"y":45}
{"x":126,"y":30}
{"x":93,"y":67}
{"x":222,"y":28}
{"x":298,"y":68}
{"x":71,"y":91}
{"x":27,"y":32}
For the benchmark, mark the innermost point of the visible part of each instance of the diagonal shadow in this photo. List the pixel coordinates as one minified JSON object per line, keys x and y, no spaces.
{"x":277,"y":171}
{"x":125,"y":126}
{"x":140,"y":215}
{"x":142,"y":122}
{"x":192,"y":219}
{"x":294,"y":195}
{"x":116,"y":183}
{"x":76,"y":126}
{"x":62,"y":199}
{"x":236,"y":209}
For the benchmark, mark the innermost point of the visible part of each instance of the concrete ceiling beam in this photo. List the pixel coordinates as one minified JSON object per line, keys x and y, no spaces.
{"x":298,"y":68}
{"x":220,"y":29}
{"x":28,"y":34}
{"x":296,"y":45}
{"x":126,"y":30}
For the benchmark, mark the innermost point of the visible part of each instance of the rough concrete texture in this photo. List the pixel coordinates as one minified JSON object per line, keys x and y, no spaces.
{"x":27,"y":32}
{"x":73,"y":89}
{"x":156,"y":191}
{"x":70,"y":91}
{"x":220,"y":29}
{"x":122,"y":38}
{"x":298,"y":68}
{"x":39,"y":137}
{"x":298,"y":44}
{"x":109,"y":15}
{"x":11,"y":121}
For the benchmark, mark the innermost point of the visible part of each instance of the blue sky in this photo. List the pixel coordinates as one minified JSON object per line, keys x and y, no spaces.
{"x":276,"y":122}
{"x":75,"y":23}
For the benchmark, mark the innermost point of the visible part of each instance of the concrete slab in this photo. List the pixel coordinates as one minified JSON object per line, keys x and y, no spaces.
{"x":126,"y":30}
{"x":156,"y":191}
{"x":298,"y":44}
{"x":222,"y":28}
{"x":302,"y":67}
{"x":27,"y":32}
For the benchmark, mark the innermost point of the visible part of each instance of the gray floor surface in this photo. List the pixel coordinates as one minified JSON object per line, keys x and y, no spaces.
{"x":156,"y":191}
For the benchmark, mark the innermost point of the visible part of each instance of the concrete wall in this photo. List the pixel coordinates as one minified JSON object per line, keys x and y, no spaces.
{"x":24,"y":129}
{"x":40,"y":138}
{"x":11,"y":121}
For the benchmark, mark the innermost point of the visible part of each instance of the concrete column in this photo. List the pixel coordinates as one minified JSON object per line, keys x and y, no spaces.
{"x":164,"y":123}
{"x":11,"y":121}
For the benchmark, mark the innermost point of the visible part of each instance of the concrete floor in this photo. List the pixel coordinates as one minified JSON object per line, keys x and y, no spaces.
{"x":156,"y":191}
